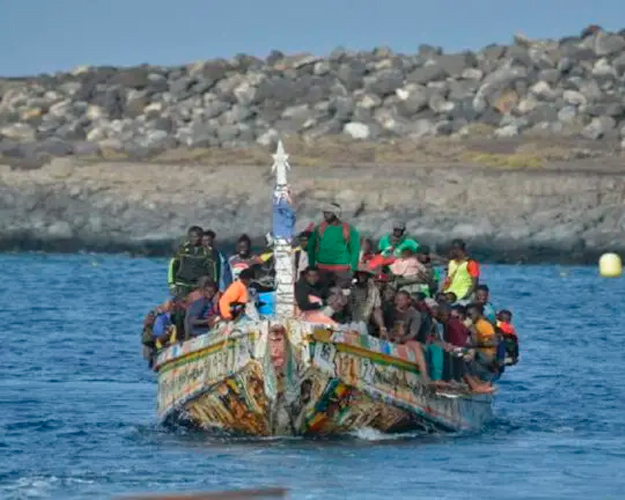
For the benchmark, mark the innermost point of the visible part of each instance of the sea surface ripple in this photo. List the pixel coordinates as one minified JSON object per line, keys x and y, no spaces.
{"x":77,"y":402}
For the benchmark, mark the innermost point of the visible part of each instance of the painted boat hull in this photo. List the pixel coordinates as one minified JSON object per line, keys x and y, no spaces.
{"x":264,"y":378}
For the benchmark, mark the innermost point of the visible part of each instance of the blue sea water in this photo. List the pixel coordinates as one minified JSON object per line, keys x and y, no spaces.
{"x":77,"y":402}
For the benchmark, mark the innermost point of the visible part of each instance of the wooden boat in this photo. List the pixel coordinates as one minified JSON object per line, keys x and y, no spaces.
{"x":281,"y":376}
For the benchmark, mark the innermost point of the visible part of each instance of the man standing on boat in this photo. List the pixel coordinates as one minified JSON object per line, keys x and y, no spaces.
{"x":190,"y":263}
{"x":225,"y":274}
{"x":463,"y":273}
{"x":243,"y":258}
{"x":334,"y":246}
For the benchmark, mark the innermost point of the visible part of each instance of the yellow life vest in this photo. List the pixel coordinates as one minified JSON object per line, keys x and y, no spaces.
{"x":460,"y":280}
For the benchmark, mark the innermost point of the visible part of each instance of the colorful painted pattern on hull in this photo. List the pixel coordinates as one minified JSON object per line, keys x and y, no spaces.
{"x":267,"y":379}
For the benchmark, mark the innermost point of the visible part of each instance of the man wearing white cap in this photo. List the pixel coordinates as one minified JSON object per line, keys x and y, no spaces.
{"x":334,"y":245}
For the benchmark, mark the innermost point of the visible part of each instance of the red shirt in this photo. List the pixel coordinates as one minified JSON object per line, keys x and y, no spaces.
{"x":456,"y":333}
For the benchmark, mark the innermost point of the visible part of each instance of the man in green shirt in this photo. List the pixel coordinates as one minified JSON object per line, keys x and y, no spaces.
{"x":393,"y":244}
{"x":334,"y":246}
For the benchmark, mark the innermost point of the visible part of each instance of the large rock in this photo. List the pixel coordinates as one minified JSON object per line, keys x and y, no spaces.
{"x":425,"y":74}
{"x":357,"y":130}
{"x":19,"y":132}
{"x":454,"y":65}
{"x":599,"y":127}
{"x":608,"y":43}
{"x":385,"y":82}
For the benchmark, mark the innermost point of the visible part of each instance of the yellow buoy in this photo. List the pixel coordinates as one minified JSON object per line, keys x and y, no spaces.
{"x":610,"y":265}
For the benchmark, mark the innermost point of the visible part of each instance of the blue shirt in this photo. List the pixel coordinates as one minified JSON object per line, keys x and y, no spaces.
{"x":200,"y":309}
{"x":161,"y":324}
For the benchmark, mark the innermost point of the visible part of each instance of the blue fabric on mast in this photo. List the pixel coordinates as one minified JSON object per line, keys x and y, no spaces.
{"x":283,"y":220}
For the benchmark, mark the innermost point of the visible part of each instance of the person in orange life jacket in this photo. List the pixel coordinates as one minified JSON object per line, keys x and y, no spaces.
{"x":243,"y":258}
{"x":504,"y":322}
{"x":510,"y":337}
{"x":202,"y":313}
{"x":482,"y":295}
{"x":463,"y":273}
{"x":334,"y":246}
{"x":236,"y":294}
{"x":225,"y":274}
{"x":484,"y":344}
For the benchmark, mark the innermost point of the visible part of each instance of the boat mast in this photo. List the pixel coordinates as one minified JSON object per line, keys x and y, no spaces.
{"x":283,"y":234}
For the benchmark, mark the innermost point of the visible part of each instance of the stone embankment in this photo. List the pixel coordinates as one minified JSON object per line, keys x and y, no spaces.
{"x":569,"y":87}
{"x":519,"y":215}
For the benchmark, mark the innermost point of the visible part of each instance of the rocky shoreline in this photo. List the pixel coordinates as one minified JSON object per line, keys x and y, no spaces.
{"x":556,"y":214}
{"x":517,"y":148}
{"x":573,"y":87}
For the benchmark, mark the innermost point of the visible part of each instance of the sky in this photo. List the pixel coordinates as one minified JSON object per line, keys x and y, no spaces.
{"x":45,"y":36}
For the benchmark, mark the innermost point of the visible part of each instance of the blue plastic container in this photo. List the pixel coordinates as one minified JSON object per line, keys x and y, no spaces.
{"x":267,"y":303}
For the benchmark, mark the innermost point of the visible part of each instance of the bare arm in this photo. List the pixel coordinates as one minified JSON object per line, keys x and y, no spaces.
{"x":378,"y":320}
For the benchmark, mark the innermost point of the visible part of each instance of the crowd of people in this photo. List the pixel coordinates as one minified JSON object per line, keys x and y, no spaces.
{"x":393,"y":291}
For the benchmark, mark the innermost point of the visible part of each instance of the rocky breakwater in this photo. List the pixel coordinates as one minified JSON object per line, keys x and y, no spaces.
{"x":571,"y":87}
{"x":519,"y":215}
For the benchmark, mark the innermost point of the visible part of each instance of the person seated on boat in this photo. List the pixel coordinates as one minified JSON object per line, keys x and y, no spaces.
{"x":405,"y":320}
{"x":162,"y":326}
{"x":460,"y":312}
{"x":163,"y":332}
{"x":456,"y":342}
{"x":198,"y":292}
{"x":311,"y":296}
{"x":225,"y":274}
{"x":243,"y":258}
{"x":334,"y":246}
{"x":191,"y":262}
{"x":237,"y":292}
{"x":463,"y":273}
{"x":387,"y":293}
{"x":510,"y":337}
{"x":203,"y":312}
{"x":482,"y":295}
{"x":405,"y":327}
{"x":300,"y":254}
{"x":365,"y":302}
{"x":455,"y":332}
{"x":422,"y":303}
{"x":411,"y":274}
{"x":425,"y":257}
{"x":484,"y":366}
